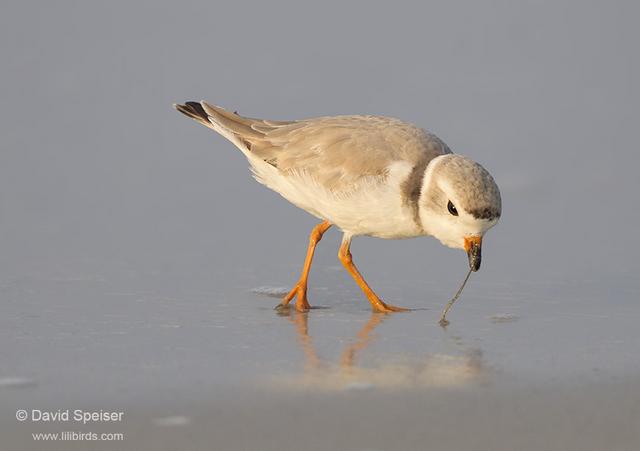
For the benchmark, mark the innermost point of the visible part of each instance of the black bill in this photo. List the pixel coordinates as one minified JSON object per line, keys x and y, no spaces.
{"x":475,"y":255}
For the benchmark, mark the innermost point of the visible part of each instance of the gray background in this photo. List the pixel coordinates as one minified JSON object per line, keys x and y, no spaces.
{"x":131,"y":237}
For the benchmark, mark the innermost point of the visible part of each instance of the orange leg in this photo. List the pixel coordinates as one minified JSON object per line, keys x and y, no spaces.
{"x":300,"y":288}
{"x":376,"y":303}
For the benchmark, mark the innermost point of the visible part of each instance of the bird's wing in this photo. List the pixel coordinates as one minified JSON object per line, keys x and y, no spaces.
{"x":336,"y":151}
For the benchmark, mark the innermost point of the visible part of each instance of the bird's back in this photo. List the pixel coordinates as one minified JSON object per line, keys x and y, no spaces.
{"x":336,"y":151}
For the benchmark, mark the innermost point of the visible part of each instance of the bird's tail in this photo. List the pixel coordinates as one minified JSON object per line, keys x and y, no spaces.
{"x":218,"y":118}
{"x":232,"y":126}
{"x":195,"y":111}
{"x":248,"y":134}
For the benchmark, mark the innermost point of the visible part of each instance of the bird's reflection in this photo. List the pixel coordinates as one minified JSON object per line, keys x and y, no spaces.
{"x":434,"y":370}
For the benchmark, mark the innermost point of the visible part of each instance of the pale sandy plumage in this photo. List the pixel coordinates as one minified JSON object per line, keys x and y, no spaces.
{"x":368,"y":175}
{"x":336,"y":151}
{"x":335,"y":166}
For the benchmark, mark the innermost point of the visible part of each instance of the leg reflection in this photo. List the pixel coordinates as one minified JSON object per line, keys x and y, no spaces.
{"x":301,"y":322}
{"x":313,"y":362}
{"x":364,"y":338}
{"x":430,"y":370}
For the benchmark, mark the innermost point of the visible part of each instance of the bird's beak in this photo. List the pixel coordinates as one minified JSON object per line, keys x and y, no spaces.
{"x":473,"y":246}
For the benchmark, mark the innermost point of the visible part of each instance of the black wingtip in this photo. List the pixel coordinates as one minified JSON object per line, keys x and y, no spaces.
{"x":194,"y":110}
{"x":197,"y":107}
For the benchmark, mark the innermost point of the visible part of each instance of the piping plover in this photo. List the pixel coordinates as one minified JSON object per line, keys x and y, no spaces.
{"x":368,"y":175}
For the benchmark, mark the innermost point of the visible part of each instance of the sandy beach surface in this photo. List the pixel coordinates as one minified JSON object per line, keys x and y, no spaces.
{"x":519,"y":368}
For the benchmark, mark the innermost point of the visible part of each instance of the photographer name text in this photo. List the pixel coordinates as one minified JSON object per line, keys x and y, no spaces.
{"x":68,"y":415}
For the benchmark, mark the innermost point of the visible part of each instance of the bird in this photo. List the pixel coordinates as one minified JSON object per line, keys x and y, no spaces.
{"x":367,"y":175}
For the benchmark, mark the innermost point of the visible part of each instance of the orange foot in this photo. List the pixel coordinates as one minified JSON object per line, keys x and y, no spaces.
{"x":299,"y":291}
{"x":381,"y":307}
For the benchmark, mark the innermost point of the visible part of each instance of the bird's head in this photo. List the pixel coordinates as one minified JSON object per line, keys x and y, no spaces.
{"x":459,"y":202}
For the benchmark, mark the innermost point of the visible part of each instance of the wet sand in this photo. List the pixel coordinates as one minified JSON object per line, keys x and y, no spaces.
{"x":591,"y":417}
{"x":227,"y":372}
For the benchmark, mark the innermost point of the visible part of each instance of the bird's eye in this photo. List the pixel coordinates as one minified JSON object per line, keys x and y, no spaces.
{"x":452,"y":209}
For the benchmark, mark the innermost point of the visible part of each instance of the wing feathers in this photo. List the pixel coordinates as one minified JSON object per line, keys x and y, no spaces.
{"x":338,"y":152}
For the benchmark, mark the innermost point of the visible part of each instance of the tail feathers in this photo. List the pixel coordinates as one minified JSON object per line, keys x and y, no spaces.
{"x":247,"y":133}
{"x":195,"y":111}
{"x":235,"y":128}
{"x":220,"y":120}
{"x":236,"y":124}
